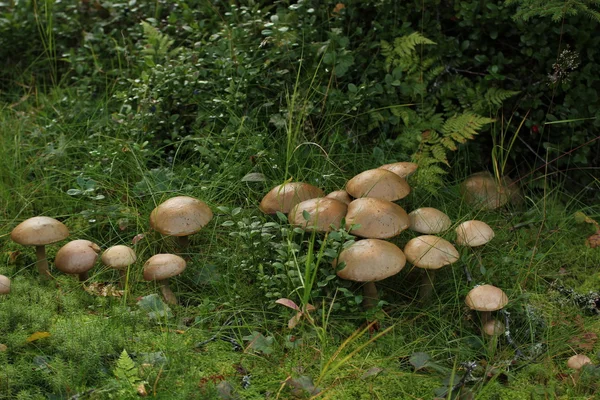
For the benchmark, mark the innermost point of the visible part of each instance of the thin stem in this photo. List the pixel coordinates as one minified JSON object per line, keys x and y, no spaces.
{"x":370,"y":296}
{"x":41,"y":262}
{"x":167,"y":293}
{"x":426,"y":288}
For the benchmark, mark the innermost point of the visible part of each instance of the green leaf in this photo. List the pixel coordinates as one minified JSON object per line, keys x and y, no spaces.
{"x":419,"y":360}
{"x":260,"y":343}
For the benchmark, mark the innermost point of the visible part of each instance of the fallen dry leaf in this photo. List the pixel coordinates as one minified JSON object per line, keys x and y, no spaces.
{"x":137,"y":238}
{"x":594,"y":240}
{"x":338,"y":7}
{"x":37,"y":336}
{"x":585,"y":341}
{"x":103,"y":289}
{"x":3,"y":347}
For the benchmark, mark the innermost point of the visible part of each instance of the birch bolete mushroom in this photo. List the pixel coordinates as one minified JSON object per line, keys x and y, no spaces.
{"x":77,"y":257}
{"x":180,"y":216}
{"x":160,"y":268}
{"x":430,"y":253}
{"x":577,"y":361}
{"x":322,"y":212}
{"x":368,"y":261}
{"x":376,"y":218}
{"x":483,"y":190}
{"x":379,"y":183}
{"x":285,"y":196}
{"x":119,"y":257}
{"x":429,"y":220}
{"x":485,"y":299}
{"x":402,"y":169}
{"x":39,"y":232}
{"x":340,"y":195}
{"x":4,"y":285}
{"x":473,"y":233}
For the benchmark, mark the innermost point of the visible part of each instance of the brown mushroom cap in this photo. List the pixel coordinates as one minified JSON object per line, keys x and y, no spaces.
{"x":285,"y":196}
{"x":76,"y":257}
{"x":577,"y":361}
{"x":163,"y":266}
{"x":340,"y":195}
{"x":180,"y":216}
{"x":370,"y":260}
{"x":118,"y":257}
{"x":486,"y":298}
{"x":402,"y":169}
{"x":323,"y":213}
{"x":429,"y":220}
{"x":379,"y":183}
{"x":378,"y":219}
{"x":482,"y":190}
{"x":4,"y":284}
{"x":473,"y":233}
{"x":39,"y":231}
{"x":493,"y":327}
{"x":430,"y":252}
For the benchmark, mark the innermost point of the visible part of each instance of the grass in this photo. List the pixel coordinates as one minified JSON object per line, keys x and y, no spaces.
{"x":227,"y":329}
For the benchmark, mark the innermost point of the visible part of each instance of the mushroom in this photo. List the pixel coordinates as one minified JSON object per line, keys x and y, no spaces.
{"x":428,"y":220}
{"x":180,"y":216}
{"x":4,"y":285}
{"x":429,"y":252}
{"x":493,"y":327}
{"x":378,"y":219}
{"x":379,"y":183}
{"x":285,"y":196}
{"x":120,"y":258}
{"x":368,"y":261}
{"x":402,"y":169}
{"x":473,"y":233}
{"x":483,"y":190}
{"x":39,"y":232}
{"x":160,"y":268}
{"x":323,"y":213}
{"x":486,"y":298}
{"x":340,"y":195}
{"x":577,"y":361}
{"x":77,"y":257}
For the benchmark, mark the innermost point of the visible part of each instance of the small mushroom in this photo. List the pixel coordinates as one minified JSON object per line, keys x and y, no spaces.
{"x":180,"y":216}
{"x":402,"y":169}
{"x":493,"y":327}
{"x":39,"y":232}
{"x":368,"y":261}
{"x":77,"y":257}
{"x":379,"y":183}
{"x":577,"y":361}
{"x":120,"y":258}
{"x":323,"y":213}
{"x":284,"y":197}
{"x":485,"y":299}
{"x":160,"y":268}
{"x":483,"y":190}
{"x":429,"y":252}
{"x":429,"y":220}
{"x":4,"y":285}
{"x":340,"y":195}
{"x":378,"y":219}
{"x":473,"y":233}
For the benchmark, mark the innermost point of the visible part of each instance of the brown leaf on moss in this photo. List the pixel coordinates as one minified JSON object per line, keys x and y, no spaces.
{"x":585,"y":341}
{"x":338,"y":7}
{"x":594,"y":240}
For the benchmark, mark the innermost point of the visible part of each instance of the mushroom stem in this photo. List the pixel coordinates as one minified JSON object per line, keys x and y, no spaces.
{"x":167,"y":293}
{"x":123,"y":278}
{"x":83,"y":276}
{"x":41,"y":262}
{"x":183,"y":242}
{"x":426,"y":287}
{"x":485,"y":317}
{"x":370,"y":295}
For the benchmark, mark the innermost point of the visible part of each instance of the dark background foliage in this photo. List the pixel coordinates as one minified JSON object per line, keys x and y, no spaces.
{"x":247,"y":58}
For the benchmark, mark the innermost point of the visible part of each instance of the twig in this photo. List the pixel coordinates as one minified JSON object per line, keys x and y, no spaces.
{"x":509,"y":339}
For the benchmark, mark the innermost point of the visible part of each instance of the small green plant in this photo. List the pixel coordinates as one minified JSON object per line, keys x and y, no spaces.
{"x":128,"y":375}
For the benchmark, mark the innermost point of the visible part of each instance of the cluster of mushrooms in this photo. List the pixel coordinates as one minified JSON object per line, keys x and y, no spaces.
{"x":368,"y":208}
{"x":179,"y":216}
